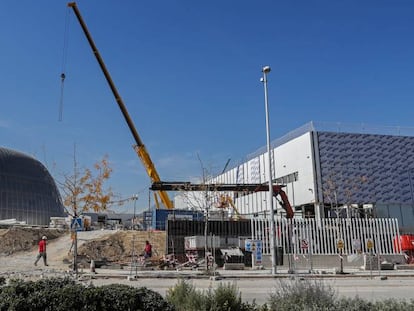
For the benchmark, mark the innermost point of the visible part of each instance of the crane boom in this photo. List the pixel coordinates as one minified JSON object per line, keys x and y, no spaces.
{"x":139,"y":147}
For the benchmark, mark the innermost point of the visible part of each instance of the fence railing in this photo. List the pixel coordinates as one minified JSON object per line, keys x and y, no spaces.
{"x":326,"y":236}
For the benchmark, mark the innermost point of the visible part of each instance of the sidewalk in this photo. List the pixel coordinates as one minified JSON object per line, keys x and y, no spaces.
{"x":247,"y":273}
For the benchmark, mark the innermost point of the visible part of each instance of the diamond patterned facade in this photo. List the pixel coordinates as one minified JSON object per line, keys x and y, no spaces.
{"x":364,"y":168}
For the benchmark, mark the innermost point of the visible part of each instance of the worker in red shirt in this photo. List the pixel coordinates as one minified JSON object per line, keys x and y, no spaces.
{"x":42,"y":251}
{"x":147,"y":250}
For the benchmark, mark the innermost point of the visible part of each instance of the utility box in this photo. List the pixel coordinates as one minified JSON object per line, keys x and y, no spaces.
{"x":198,"y":242}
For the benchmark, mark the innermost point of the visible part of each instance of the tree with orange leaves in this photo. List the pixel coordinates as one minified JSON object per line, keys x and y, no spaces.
{"x":84,"y":190}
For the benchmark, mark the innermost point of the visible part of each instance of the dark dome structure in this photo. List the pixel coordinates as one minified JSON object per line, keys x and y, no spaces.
{"x":27,"y":191}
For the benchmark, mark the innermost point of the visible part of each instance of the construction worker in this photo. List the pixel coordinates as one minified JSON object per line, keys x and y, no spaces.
{"x":147,"y":250}
{"x":42,"y":251}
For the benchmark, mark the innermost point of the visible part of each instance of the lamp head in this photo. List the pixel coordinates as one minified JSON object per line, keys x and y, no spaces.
{"x":266,"y":69}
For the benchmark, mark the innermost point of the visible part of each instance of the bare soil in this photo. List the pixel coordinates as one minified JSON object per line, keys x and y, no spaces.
{"x":17,"y":239}
{"x":18,"y":247}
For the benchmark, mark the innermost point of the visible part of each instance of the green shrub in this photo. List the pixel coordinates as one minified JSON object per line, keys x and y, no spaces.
{"x":185,"y":297}
{"x":226,"y":297}
{"x":393,"y":305}
{"x":153,"y":301}
{"x":30,"y":295}
{"x":358,"y":304}
{"x":353,"y":304}
{"x":65,"y":294}
{"x":302,"y":295}
{"x":116,"y":297}
{"x":315,"y":295}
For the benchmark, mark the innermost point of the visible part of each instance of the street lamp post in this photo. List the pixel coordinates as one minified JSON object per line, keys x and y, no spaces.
{"x":266,"y":70}
{"x":133,"y":255}
{"x":135,"y":198}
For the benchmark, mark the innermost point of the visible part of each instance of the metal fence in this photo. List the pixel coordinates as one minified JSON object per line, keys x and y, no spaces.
{"x":328,"y":236}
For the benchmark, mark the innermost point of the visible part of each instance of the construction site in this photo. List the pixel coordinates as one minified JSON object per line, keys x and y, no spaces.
{"x":314,"y":199}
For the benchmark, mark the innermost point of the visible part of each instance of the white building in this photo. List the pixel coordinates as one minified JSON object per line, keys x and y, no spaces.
{"x":333,"y":173}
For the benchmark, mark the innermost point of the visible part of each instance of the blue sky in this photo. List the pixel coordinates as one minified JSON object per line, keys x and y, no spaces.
{"x":189,"y":71}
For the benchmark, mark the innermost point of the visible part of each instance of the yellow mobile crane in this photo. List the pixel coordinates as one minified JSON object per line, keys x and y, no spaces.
{"x":139,"y":147}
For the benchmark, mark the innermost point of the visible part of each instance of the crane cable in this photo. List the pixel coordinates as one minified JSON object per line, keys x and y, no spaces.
{"x":64,"y":57}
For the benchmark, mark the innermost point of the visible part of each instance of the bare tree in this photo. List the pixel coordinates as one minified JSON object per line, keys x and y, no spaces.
{"x":203,"y":201}
{"x":331,"y":193}
{"x":350,"y":187}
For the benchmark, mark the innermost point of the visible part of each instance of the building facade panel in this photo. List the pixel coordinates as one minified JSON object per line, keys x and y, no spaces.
{"x":364,"y":168}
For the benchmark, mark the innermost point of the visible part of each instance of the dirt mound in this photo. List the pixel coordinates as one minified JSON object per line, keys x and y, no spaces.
{"x":108,"y":248}
{"x":16,"y":239}
{"x":120,"y":246}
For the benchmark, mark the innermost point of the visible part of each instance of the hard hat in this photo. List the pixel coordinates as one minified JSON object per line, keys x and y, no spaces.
{"x":44,"y":237}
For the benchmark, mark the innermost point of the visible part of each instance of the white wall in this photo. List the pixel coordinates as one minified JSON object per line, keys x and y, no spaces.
{"x":297,"y":156}
{"x":294,"y":156}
